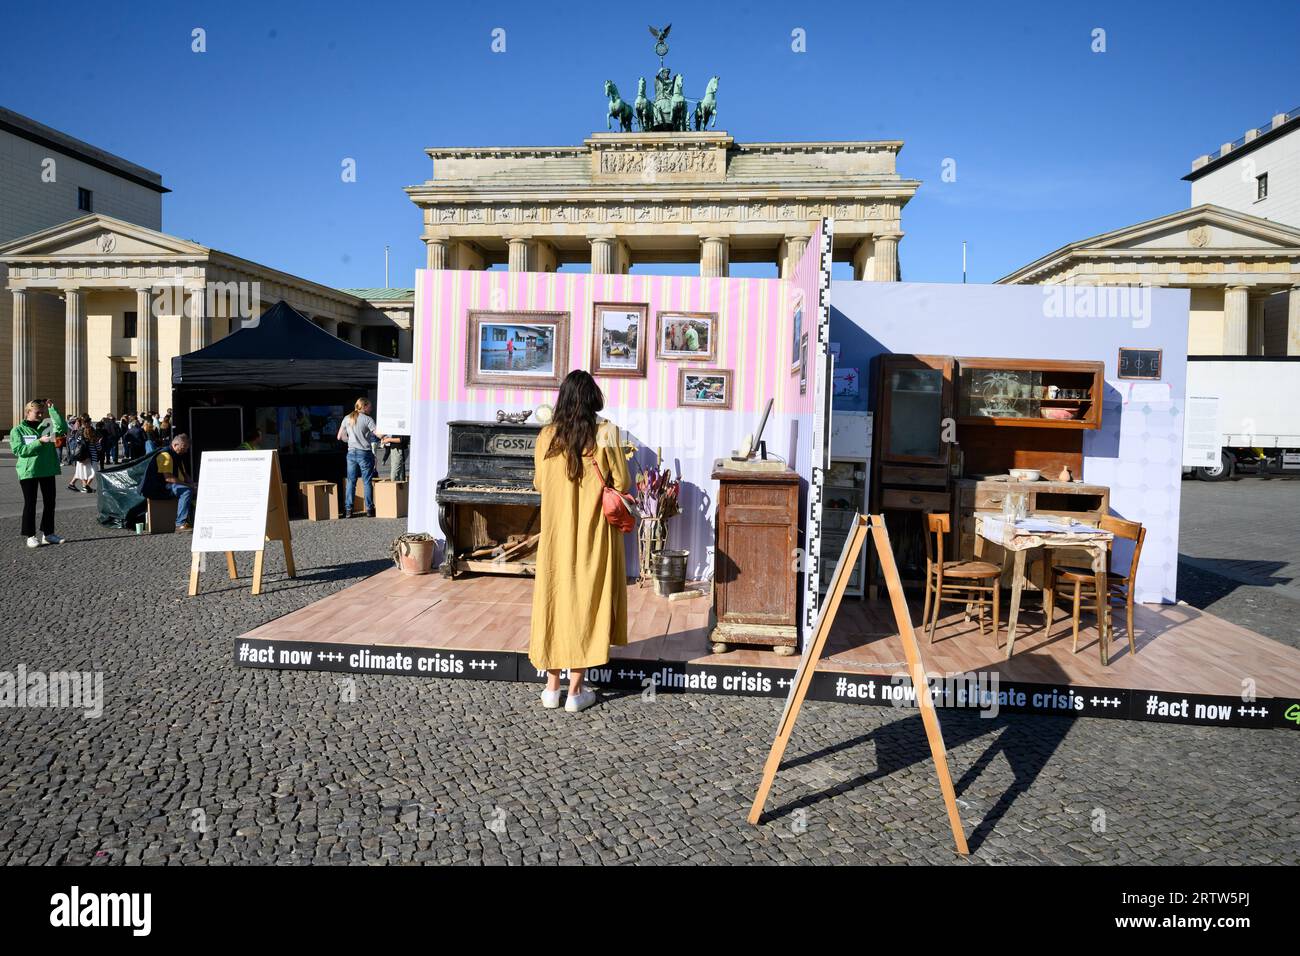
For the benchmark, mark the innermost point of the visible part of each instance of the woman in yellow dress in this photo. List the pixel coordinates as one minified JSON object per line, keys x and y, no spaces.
{"x":580,"y":591}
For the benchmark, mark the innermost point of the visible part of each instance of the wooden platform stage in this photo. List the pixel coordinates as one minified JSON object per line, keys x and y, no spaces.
{"x":1190,"y":667}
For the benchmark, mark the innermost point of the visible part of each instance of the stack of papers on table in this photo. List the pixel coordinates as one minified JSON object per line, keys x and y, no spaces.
{"x":1044,"y":526}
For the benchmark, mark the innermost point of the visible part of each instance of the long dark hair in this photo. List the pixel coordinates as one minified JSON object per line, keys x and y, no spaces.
{"x":575,"y":420}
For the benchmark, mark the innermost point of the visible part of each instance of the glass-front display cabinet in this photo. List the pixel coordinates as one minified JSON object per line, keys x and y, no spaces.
{"x":1037,"y":393}
{"x":916,"y":396}
{"x":843,"y":496}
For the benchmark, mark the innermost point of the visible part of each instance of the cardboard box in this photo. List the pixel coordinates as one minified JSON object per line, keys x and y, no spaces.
{"x":160,"y":515}
{"x":390,"y":498}
{"x":319,"y":500}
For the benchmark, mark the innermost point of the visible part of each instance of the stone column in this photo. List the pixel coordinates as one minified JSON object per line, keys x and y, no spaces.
{"x":789,"y":253}
{"x":520,"y":257}
{"x":609,"y":255}
{"x":354,"y":333}
{"x":439,"y":252}
{"x":715,"y":257}
{"x":863,"y":259}
{"x":199,"y":329}
{"x":74,"y":351}
{"x":146,"y":357}
{"x":886,"y":258}
{"x":1235,"y":308}
{"x":542,"y":257}
{"x":1255,"y":325}
{"x":23,"y":372}
{"x":329,"y":325}
{"x":1292,"y":321}
{"x":405,"y":345}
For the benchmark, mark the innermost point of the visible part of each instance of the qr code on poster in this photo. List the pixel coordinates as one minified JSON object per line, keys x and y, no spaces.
{"x":205,"y":532}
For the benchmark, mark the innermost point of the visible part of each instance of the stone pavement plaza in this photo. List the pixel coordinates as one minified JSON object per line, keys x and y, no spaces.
{"x":195,"y":760}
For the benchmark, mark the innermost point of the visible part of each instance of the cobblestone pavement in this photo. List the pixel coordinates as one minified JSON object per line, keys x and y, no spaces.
{"x":198,"y":761}
{"x":1240,"y":552}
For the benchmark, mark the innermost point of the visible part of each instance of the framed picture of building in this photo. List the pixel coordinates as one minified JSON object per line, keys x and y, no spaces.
{"x":619,"y":338}
{"x":517,"y":349}
{"x":796,"y":357}
{"x":687,"y":336}
{"x":704,"y":387}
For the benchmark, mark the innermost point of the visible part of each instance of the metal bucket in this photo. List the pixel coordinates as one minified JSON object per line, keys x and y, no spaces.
{"x":669,"y":572}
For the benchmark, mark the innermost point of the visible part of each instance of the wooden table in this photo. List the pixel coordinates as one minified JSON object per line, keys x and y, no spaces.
{"x":1002,"y":531}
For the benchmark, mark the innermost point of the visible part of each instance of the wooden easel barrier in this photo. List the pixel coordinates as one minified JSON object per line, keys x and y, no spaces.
{"x":277,"y":529}
{"x":803,"y":677}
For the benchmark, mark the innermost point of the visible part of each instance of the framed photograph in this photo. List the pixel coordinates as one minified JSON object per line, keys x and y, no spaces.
{"x":687,"y":336}
{"x":517,"y":349}
{"x":704,"y":387}
{"x":619,"y":338}
{"x":796,"y":358}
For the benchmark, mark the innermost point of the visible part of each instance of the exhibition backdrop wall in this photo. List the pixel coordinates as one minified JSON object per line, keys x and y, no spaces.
{"x":752,"y":341}
{"x":1137,"y":452}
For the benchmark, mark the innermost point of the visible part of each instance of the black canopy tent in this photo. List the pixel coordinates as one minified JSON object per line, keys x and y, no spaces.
{"x":282,"y":349}
{"x":281,"y":364}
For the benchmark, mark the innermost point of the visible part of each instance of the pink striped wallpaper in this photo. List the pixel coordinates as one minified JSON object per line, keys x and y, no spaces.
{"x":754,"y":333}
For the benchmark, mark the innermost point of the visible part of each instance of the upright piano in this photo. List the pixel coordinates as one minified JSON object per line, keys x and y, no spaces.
{"x":487,"y":507}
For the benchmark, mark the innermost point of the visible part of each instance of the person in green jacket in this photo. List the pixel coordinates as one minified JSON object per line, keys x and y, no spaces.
{"x":32,"y":442}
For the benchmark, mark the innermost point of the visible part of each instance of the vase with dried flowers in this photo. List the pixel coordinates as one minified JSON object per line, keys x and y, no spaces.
{"x":656,"y":495}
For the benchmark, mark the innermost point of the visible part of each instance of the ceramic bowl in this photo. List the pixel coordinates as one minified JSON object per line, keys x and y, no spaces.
{"x":1025,"y":474}
{"x":1060,"y":414}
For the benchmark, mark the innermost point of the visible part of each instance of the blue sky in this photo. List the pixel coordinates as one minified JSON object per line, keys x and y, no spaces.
{"x":1052,"y":142}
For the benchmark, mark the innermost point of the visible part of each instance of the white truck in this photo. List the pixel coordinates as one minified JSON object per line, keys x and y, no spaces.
{"x":1243,"y":415}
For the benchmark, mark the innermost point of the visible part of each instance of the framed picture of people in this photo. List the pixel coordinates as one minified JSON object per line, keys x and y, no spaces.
{"x":517,"y":349}
{"x":619,"y":340}
{"x":687,"y":336}
{"x":704,"y":387}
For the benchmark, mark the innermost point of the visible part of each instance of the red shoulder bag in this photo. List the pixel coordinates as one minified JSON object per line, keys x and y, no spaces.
{"x":620,"y":510}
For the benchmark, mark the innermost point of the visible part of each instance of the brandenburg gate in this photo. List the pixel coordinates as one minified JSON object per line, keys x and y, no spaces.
{"x":649,"y":197}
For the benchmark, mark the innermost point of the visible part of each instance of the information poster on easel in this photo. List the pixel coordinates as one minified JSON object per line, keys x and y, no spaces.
{"x":240,"y":508}
{"x":393,"y":398}
{"x":230,"y":515}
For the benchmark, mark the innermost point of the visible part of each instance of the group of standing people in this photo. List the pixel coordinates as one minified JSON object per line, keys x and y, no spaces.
{"x":92,"y":444}
{"x":44,"y":441}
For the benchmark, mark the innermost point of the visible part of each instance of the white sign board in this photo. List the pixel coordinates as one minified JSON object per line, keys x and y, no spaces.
{"x":230,"y":514}
{"x":393,"y":398}
{"x":1201,"y":434}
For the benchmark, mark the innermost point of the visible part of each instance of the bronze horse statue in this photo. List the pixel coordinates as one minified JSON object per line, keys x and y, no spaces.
{"x":642,"y":109}
{"x":706,"y":110}
{"x":681,"y":111}
{"x":618,"y":109}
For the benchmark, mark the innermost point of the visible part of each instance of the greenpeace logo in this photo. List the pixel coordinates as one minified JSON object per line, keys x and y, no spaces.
{"x":77,"y":909}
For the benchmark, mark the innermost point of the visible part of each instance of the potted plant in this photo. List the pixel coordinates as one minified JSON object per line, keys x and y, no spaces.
{"x":413,"y":553}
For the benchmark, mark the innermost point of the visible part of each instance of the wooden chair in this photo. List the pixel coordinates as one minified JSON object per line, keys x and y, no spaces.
{"x":972,"y":583}
{"x":1083,"y":583}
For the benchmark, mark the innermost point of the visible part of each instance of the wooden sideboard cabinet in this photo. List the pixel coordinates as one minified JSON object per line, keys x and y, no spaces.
{"x":755,"y":591}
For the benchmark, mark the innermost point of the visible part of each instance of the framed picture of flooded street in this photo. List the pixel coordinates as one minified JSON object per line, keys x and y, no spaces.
{"x":619,"y":338}
{"x":517,"y":349}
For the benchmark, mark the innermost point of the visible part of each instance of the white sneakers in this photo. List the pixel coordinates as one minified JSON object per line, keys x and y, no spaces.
{"x":33,"y":542}
{"x":36,"y":540}
{"x":575,"y":703}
